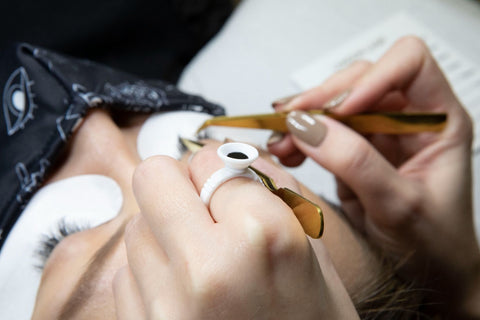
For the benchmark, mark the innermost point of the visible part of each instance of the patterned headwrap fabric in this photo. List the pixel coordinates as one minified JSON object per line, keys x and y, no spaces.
{"x":44,"y":95}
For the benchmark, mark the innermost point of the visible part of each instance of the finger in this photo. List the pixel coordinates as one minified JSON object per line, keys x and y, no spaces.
{"x":286,"y":152}
{"x":170,"y":203}
{"x":290,"y":156}
{"x":240,"y":198}
{"x":293,"y":160}
{"x":330,"y":91}
{"x":148,"y":262}
{"x":315,"y":98}
{"x":351,"y":158}
{"x":407,"y":67}
{"x":128,"y":302}
{"x":160,"y":281}
{"x":393,"y":101}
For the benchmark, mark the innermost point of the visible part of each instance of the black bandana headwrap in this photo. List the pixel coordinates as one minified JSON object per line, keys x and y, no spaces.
{"x":44,"y":95}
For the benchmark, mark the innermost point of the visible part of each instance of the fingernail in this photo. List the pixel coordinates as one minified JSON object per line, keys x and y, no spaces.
{"x":337,"y":100}
{"x":282,"y":101}
{"x":305,"y":127}
{"x":275,"y":137}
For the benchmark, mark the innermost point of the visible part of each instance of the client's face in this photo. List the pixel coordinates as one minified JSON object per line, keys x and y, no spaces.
{"x":77,"y":277}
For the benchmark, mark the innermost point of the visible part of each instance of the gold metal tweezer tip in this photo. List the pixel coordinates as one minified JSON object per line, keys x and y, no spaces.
{"x":309,"y":214}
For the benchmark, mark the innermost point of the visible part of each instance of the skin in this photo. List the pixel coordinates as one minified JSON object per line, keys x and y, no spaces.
{"x":392,"y":189}
{"x":162,"y":210}
{"x":413,"y":193}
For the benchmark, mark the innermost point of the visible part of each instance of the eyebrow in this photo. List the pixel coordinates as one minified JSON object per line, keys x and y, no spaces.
{"x":86,"y":284}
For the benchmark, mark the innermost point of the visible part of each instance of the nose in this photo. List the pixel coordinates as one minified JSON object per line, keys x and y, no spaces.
{"x":100,"y":146}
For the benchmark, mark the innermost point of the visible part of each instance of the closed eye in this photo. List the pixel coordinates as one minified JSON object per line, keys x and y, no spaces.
{"x":50,"y":240}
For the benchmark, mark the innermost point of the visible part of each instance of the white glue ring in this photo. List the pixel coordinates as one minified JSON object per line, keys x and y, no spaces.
{"x":237,"y":157}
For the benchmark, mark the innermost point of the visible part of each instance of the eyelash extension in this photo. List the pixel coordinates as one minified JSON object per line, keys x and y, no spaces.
{"x":50,"y":240}
{"x":204,"y":135}
{"x":182,"y":149}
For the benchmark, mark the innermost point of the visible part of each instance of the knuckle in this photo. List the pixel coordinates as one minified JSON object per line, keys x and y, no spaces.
{"x":278,"y":234}
{"x":289,"y":245}
{"x":412,"y":206}
{"x":413,"y":43}
{"x":403,"y":210}
{"x":361,"y":64}
{"x":205,"y":155}
{"x":416,"y":51}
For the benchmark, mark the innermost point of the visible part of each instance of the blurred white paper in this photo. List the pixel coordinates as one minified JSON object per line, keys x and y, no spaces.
{"x":463,"y":75}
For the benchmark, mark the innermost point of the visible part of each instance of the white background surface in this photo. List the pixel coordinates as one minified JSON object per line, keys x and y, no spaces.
{"x":252,"y":60}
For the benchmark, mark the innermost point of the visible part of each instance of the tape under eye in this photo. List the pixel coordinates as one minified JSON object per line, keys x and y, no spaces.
{"x":159,"y":134}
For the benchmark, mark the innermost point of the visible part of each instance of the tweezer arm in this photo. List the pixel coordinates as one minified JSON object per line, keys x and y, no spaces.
{"x":308,"y":213}
{"x":387,"y":123}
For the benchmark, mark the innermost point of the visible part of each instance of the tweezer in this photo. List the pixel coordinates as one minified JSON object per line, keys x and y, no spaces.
{"x":379,"y":122}
{"x":308,"y":213}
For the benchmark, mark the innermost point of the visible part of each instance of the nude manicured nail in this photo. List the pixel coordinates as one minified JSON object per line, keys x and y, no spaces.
{"x":275,"y":137}
{"x":282,"y":101}
{"x":337,"y":100}
{"x":305,"y":127}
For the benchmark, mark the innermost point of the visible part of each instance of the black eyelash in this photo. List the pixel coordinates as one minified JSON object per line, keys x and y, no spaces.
{"x":182,"y":148}
{"x":50,"y":240}
{"x":204,"y":135}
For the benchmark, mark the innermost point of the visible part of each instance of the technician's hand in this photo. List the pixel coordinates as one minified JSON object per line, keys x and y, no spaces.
{"x":410,"y":194}
{"x":246,"y":257}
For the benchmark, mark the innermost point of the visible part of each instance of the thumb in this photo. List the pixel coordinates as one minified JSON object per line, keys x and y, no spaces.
{"x":352,"y":159}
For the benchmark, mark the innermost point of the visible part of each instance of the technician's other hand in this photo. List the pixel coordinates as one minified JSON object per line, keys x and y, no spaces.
{"x":244,"y":257}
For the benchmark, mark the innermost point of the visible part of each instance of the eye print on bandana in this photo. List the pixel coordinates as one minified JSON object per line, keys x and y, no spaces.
{"x":18,"y":102}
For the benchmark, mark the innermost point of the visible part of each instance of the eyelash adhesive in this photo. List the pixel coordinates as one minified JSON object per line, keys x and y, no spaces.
{"x":237,"y":155}
{"x":237,"y":158}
